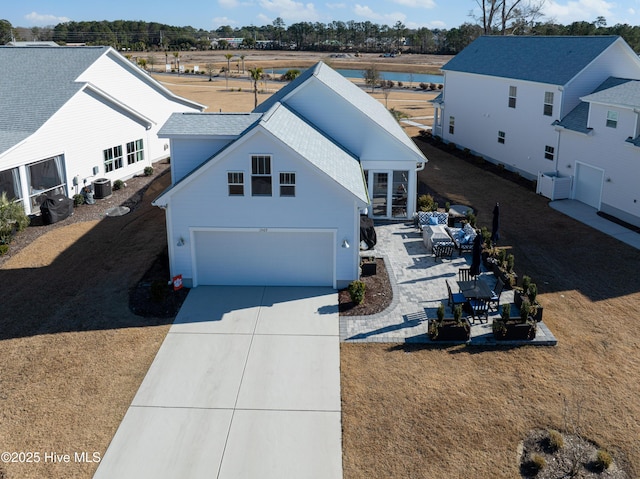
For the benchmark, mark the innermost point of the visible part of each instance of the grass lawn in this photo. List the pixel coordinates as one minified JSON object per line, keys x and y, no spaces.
{"x":460,"y":412}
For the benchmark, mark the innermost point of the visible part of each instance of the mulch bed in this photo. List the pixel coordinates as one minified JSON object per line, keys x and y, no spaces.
{"x":377,"y":297}
{"x":153,"y":296}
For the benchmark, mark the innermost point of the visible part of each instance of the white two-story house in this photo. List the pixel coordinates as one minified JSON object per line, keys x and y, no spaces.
{"x":275,"y":196}
{"x":540,"y":104}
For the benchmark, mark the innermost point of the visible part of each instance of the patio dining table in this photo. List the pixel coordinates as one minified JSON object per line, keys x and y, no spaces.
{"x":475,"y":289}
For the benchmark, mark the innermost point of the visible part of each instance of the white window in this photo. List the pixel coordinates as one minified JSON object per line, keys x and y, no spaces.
{"x":512,"y":96}
{"x":612,"y":119}
{"x":235,"y":179}
{"x":501,"y":137}
{"x":452,"y":124}
{"x":549,"y":152}
{"x":112,"y":158}
{"x":548,"y":103}
{"x":135,"y":151}
{"x":260,"y":175}
{"x":287,"y":184}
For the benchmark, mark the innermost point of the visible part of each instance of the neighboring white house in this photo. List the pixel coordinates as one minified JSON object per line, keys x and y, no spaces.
{"x":275,"y":196}
{"x":71,"y":115}
{"x":540,"y":105}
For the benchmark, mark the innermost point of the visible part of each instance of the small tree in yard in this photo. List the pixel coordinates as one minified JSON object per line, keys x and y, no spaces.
{"x":228,"y":56}
{"x":256,"y":75}
{"x":371,"y":76}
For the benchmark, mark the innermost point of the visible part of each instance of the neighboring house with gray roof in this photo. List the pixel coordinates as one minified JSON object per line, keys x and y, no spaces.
{"x":275,"y":196}
{"x":550,"y":107}
{"x":71,"y":115}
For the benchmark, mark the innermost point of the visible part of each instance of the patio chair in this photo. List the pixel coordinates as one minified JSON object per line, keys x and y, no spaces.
{"x":464,"y":274}
{"x":454,"y":298}
{"x":494,"y":302}
{"x":443,"y":250}
{"x":479,"y":310}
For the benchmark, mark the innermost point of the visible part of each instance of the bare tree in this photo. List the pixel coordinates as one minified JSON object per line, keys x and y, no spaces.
{"x":502,"y":15}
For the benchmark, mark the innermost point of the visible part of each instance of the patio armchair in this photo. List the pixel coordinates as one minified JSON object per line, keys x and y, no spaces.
{"x":479,"y":310}
{"x":454,"y":298}
{"x":494,"y":301}
{"x":443,"y":250}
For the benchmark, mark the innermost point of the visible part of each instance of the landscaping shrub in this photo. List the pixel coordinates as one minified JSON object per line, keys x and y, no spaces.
{"x":12,"y":218}
{"x":423,"y":86}
{"x":425,"y":203}
{"x":78,"y":200}
{"x":118,"y":184}
{"x":537,"y":463}
{"x":356,"y":291}
{"x":556,"y":441}
{"x":4,"y":249}
{"x":603,"y":460}
{"x":148,"y":170}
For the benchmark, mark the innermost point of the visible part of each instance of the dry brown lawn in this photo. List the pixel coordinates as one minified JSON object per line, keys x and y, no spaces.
{"x":73,"y":355}
{"x":459,"y":412}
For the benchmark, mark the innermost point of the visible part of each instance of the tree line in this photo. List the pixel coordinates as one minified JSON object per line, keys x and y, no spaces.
{"x":331,"y":37}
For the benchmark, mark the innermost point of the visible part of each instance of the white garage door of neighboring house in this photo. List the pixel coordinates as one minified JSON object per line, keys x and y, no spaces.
{"x":266,"y":257}
{"x":588,"y":185}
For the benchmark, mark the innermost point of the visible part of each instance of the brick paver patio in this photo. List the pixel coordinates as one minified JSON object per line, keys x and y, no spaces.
{"x":418,"y":283}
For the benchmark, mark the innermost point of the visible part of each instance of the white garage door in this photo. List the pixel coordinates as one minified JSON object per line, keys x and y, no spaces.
{"x":271,"y":257}
{"x":588,"y":185}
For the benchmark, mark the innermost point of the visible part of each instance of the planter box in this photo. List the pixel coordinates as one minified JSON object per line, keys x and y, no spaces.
{"x":368,"y":267}
{"x":450,"y":330}
{"x":515,"y":329}
{"x":517,"y":301}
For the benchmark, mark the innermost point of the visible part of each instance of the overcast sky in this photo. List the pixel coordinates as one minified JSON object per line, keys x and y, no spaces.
{"x":210,"y":14}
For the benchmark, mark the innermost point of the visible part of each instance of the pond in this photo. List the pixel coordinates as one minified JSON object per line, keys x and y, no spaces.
{"x":414,"y":78}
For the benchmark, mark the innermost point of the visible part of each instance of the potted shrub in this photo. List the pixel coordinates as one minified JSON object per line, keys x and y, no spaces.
{"x":510,"y":327}
{"x":368,"y":266}
{"x":449,"y":329}
{"x":529,"y":292}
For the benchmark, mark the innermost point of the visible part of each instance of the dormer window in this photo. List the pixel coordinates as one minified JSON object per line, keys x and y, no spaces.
{"x":612,"y":119}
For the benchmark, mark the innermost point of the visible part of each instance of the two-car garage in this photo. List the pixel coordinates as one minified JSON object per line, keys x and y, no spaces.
{"x":264,"y":256}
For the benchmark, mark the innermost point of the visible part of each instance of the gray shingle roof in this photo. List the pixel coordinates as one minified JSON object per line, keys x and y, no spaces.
{"x":613,"y":88}
{"x":35,"y":83}
{"x":353,"y":94}
{"x":545,"y":59}
{"x":617,"y":92}
{"x":316,"y":148}
{"x":203,"y":124}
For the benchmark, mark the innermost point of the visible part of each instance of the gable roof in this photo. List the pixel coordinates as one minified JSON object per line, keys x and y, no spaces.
{"x":35,"y":82}
{"x":351,"y":93}
{"x":296,"y":134}
{"x":544,"y":59}
{"x":614,"y":89}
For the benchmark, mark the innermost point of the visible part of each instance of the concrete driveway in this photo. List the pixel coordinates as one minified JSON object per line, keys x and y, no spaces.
{"x":245,"y":385}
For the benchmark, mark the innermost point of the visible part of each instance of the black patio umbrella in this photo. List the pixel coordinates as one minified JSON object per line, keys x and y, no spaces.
{"x":495,"y":235}
{"x":476,"y":256}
